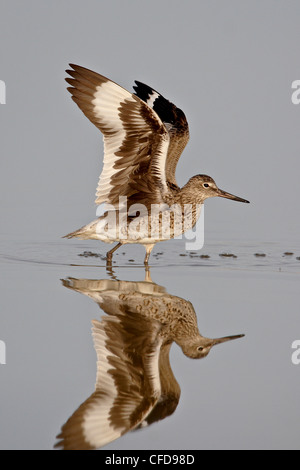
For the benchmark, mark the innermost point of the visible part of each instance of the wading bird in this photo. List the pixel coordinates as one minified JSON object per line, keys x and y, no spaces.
{"x":144,"y":135}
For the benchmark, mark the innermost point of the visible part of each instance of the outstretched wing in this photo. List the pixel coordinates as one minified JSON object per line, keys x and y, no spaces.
{"x":135,"y":139}
{"x":127,"y":384}
{"x":175,"y":122}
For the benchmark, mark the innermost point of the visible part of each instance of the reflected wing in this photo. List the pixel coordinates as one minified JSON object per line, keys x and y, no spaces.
{"x":135,"y":139}
{"x":170,"y":390}
{"x":127,"y":384}
{"x":174,"y":121}
{"x":110,"y":295}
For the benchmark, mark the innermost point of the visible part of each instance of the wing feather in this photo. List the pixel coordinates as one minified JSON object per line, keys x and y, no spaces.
{"x":174,"y":121}
{"x":127,"y":383}
{"x":136,"y":141}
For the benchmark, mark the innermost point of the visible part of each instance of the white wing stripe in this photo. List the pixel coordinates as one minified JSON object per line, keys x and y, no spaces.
{"x":152,"y":98}
{"x":107,"y":100}
{"x":133,"y":134}
{"x":96,"y":418}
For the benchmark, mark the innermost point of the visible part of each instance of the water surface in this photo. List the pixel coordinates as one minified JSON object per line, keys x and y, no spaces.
{"x":243,"y":395}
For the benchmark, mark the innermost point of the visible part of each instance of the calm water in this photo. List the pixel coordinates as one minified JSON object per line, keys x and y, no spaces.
{"x":244,"y":132}
{"x":245,"y":394}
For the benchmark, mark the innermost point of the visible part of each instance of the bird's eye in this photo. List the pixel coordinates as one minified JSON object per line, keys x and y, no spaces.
{"x":200,"y":348}
{"x":206,"y":185}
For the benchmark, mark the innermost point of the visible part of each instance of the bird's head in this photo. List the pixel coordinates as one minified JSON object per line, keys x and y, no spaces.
{"x":200,"y":346}
{"x":207,"y":187}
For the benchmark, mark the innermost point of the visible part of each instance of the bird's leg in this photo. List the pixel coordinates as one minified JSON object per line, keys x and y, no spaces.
{"x":147,"y":274}
{"x":110,"y":253}
{"x":149,"y":248}
{"x":110,"y":272}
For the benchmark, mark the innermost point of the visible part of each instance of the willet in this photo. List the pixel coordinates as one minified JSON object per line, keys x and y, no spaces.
{"x":135,"y":385}
{"x":144,"y":135}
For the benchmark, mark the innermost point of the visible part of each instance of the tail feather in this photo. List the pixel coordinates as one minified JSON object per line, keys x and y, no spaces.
{"x":86,"y":232}
{"x":74,"y":234}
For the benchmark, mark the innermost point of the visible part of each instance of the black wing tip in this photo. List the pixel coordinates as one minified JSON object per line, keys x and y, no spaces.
{"x":142,"y":84}
{"x":143,"y":91}
{"x":166,"y":110}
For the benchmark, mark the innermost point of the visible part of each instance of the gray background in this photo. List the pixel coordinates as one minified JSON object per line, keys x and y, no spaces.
{"x":229,"y":66}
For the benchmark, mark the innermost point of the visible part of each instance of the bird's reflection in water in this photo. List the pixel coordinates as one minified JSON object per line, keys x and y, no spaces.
{"x":135,"y":385}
